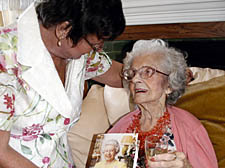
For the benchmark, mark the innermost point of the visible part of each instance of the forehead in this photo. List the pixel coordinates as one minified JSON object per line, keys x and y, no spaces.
{"x":109,"y":146}
{"x":93,"y":38}
{"x":151,"y":59}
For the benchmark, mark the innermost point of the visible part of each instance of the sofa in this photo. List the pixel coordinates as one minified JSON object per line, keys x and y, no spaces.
{"x":103,"y":106}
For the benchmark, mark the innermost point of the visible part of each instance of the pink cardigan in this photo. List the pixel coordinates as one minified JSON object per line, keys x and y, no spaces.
{"x":189,"y":135}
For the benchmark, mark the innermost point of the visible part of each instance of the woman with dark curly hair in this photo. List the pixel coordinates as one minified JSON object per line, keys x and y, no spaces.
{"x":156,"y":75}
{"x":38,"y":105}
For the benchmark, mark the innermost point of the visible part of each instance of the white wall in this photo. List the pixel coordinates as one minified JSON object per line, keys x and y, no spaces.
{"x":140,"y":12}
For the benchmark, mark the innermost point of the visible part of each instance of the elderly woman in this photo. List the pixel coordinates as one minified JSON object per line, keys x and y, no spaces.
{"x":110,"y":149}
{"x":156,"y":75}
{"x":45,"y":57}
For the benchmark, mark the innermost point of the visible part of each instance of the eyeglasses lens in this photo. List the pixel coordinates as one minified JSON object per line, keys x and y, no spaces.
{"x":128,"y":74}
{"x":144,"y":72}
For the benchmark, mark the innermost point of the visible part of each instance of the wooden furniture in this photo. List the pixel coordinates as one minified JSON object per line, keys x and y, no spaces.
{"x":174,"y":31}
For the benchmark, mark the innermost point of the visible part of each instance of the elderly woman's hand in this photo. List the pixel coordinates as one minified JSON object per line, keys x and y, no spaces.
{"x":170,"y":160}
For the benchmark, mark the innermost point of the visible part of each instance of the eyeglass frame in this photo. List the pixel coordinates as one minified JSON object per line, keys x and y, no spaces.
{"x":95,"y":47}
{"x":137,"y":70}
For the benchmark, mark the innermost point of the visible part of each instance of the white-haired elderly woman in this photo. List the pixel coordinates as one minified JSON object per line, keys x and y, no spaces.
{"x":110,"y":149}
{"x":156,"y":75}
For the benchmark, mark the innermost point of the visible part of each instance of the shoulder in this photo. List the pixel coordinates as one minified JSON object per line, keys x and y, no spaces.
{"x":120,"y":164}
{"x":8,"y":46}
{"x":11,"y":28}
{"x":8,"y":34}
{"x":97,"y":64}
{"x":123,"y":123}
{"x":100,"y":164}
{"x":184,"y":117}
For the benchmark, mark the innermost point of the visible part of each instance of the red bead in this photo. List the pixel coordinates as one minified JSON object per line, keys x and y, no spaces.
{"x":161,"y":125}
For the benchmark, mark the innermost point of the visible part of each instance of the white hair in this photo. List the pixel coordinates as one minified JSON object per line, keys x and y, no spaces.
{"x":112,"y":142}
{"x":173,"y":63}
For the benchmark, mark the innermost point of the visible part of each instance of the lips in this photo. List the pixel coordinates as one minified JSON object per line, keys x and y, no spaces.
{"x":140,"y":90}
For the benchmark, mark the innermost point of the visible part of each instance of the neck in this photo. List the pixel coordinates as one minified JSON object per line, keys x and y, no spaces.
{"x":49,"y":40}
{"x":109,"y":161}
{"x":150,"y":113}
{"x":60,"y":65}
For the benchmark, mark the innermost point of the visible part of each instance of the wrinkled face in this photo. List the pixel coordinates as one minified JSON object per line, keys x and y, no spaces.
{"x":109,"y":153}
{"x":152,"y":89}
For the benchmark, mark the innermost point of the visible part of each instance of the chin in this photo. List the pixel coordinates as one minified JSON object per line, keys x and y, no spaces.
{"x":139,"y":101}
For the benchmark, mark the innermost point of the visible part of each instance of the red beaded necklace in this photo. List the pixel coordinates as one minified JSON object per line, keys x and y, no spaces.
{"x":158,"y":129}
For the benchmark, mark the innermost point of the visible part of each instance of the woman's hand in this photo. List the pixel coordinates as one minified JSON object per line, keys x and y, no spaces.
{"x":170,"y":160}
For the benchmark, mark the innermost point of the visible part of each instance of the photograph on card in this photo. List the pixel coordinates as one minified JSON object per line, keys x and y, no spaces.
{"x":113,"y":150}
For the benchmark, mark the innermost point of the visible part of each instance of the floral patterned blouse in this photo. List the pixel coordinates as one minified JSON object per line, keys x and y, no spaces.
{"x":34,"y":105}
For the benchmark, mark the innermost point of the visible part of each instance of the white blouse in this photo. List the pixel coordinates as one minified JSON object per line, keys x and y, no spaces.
{"x":34,"y":105}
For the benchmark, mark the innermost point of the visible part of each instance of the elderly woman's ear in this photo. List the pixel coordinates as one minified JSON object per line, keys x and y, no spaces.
{"x":189,"y":75}
{"x":168,"y":91}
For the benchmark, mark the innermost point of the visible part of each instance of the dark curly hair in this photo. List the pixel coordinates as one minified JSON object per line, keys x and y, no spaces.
{"x":104,"y":18}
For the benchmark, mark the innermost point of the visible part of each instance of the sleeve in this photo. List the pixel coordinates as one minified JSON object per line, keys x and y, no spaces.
{"x":8,"y":41}
{"x":97,"y":64}
{"x":201,"y":145}
{"x":7,"y":102}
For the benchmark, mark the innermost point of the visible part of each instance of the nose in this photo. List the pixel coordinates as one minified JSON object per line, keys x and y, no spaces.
{"x":106,"y":152}
{"x":137,"y":78}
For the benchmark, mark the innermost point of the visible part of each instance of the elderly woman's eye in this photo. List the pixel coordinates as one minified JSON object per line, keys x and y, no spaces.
{"x":130,"y":73}
{"x":148,"y":71}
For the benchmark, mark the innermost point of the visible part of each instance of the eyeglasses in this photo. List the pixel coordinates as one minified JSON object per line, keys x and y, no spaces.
{"x":95,"y":47}
{"x":145,"y":72}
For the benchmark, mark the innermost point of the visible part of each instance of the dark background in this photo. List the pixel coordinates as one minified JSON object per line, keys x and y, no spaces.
{"x":202,"y":53}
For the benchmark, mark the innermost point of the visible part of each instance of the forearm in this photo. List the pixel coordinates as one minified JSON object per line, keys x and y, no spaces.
{"x":112,"y":76}
{"x":9,"y":158}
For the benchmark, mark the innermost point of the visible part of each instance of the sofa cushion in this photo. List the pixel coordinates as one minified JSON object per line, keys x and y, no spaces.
{"x":117,"y":102}
{"x":206,"y":100}
{"x":93,"y":120}
{"x":204,"y":74}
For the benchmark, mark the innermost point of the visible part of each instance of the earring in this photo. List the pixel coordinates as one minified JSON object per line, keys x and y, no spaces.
{"x":59,"y":43}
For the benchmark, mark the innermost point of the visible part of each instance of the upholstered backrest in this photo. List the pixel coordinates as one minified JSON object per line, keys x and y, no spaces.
{"x":206,"y":100}
{"x":205,"y":74}
{"x":93,"y":120}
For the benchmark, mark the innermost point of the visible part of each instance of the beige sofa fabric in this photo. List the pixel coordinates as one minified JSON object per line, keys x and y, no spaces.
{"x":116,"y":102}
{"x":205,"y":74}
{"x":93,"y":120}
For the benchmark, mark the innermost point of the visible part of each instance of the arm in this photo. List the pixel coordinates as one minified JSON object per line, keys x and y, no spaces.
{"x":201,"y":145}
{"x":192,"y":138}
{"x":9,"y":158}
{"x":112,"y":76}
